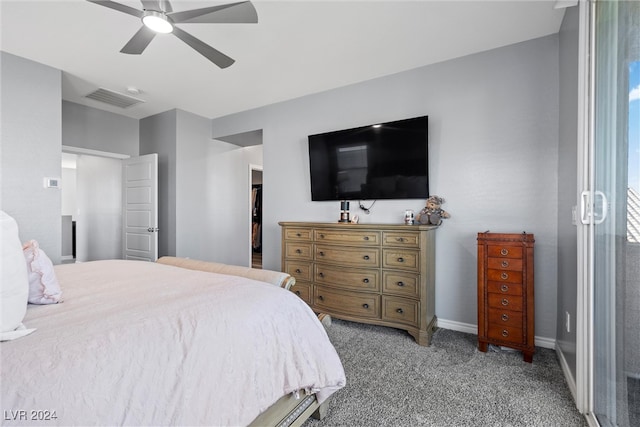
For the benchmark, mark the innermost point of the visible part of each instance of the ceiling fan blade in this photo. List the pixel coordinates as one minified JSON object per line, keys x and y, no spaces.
{"x":213,"y":55}
{"x":139,"y":41}
{"x":119,"y":7}
{"x":157,"y":5}
{"x":232,"y":13}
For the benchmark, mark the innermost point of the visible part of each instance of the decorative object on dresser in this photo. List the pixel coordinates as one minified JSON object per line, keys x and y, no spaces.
{"x":505,"y":292}
{"x":382,"y":274}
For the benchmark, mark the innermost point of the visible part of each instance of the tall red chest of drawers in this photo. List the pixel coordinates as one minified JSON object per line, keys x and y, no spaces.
{"x":505,"y":292}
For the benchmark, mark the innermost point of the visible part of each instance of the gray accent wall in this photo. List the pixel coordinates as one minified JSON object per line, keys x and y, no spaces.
{"x":493,"y":156}
{"x":31,"y":150}
{"x":568,"y":187}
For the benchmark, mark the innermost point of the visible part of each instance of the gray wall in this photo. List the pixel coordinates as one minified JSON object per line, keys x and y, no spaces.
{"x":31,"y":149}
{"x":94,"y":129}
{"x":568,"y":187}
{"x":493,"y":157}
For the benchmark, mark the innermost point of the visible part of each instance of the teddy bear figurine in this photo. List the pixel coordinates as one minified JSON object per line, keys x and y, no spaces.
{"x":433,"y":213}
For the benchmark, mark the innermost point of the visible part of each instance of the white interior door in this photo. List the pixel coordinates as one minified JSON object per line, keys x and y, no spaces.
{"x":140,"y":207}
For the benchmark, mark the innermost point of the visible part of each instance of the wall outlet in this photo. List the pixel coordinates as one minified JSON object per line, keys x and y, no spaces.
{"x":567,"y":321}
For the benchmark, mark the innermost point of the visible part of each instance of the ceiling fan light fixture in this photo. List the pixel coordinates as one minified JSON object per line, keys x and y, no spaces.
{"x":157,"y":21}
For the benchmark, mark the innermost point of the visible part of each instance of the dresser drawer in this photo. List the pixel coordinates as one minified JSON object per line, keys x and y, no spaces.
{"x":505,"y":333}
{"x":504,"y":251}
{"x":504,"y":276}
{"x":401,"y":310}
{"x":401,"y":259}
{"x":351,"y":303}
{"x":502,"y":317}
{"x":299,"y":269}
{"x":510,"y":264}
{"x":399,"y":238}
{"x":506,"y":302}
{"x":297,"y":250}
{"x":303,"y":290}
{"x":358,"y":257}
{"x":298,"y":234}
{"x":349,"y":237}
{"x":403,"y":284}
{"x":504,"y":288}
{"x":359,"y":279}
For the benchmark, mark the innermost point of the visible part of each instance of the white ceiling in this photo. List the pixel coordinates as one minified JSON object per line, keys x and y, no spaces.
{"x":298,"y":47}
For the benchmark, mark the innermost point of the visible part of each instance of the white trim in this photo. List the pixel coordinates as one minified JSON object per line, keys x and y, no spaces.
{"x":568,"y":376}
{"x":473,"y":329}
{"x":78,"y":150}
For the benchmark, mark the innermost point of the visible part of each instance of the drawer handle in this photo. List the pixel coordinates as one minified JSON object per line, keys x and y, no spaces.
{"x":365,"y":280}
{"x":504,"y":252}
{"x":298,"y":251}
{"x":321,"y":253}
{"x":366,"y":238}
{"x":505,"y":333}
{"x":504,"y":301}
{"x":505,"y":264}
{"x":504,"y":276}
{"x":365,"y":305}
{"x":400,"y":284}
{"x":504,"y":288}
{"x":366,"y":257}
{"x":298,"y":235}
{"x":321,"y":274}
{"x":400,"y":311}
{"x":400,"y":259}
{"x":320,"y":297}
{"x":322,"y":236}
{"x":400,"y":239}
{"x":298,"y":271}
{"x":298,"y":293}
{"x":505,"y":317}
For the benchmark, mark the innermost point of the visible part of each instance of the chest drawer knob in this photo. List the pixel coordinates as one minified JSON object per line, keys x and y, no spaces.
{"x":366,"y":257}
{"x":320,"y":297}
{"x":298,"y":293}
{"x":366,"y":238}
{"x":505,"y":333}
{"x":298,"y":235}
{"x":504,"y":288}
{"x":365,"y":280}
{"x":399,"y":311}
{"x":505,"y":264}
{"x":504,"y":302}
{"x":504,"y":276}
{"x":400,"y":259}
{"x":321,"y":253}
{"x":321,"y":236}
{"x":505,"y":317}
{"x":365,"y":305}
{"x":401,"y":284}
{"x":400,"y":239}
{"x":298,"y":271}
{"x":504,"y":252}
{"x":321,"y":274}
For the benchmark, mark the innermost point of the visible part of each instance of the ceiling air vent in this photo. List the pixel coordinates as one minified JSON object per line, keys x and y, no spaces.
{"x":113,"y":98}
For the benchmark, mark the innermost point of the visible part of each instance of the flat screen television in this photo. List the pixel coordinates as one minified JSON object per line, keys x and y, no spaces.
{"x":381,"y":161}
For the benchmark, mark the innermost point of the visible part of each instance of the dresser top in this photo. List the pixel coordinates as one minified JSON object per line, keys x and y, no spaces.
{"x":343,"y":225}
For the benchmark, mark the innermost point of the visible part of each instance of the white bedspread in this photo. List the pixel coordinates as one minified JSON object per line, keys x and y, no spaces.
{"x":137,"y":343}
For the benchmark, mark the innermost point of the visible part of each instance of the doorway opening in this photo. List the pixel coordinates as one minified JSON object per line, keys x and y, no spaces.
{"x":255,"y":196}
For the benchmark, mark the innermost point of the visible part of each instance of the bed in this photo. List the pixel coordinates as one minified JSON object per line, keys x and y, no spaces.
{"x":140,"y":343}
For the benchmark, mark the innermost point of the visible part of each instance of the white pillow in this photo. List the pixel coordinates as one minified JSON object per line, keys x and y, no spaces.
{"x":14,"y":284}
{"x":43,"y":284}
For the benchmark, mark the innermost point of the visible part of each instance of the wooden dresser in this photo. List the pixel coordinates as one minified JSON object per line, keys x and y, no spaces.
{"x":505,"y":292}
{"x":371,"y":273}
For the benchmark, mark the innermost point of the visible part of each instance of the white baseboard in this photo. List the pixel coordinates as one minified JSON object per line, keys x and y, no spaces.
{"x":568,"y":377}
{"x":473,"y":329}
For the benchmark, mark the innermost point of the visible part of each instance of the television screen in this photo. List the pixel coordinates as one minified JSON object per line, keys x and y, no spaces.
{"x":381,"y":161}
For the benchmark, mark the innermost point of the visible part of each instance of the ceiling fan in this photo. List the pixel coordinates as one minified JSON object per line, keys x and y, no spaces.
{"x":158,"y":17}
